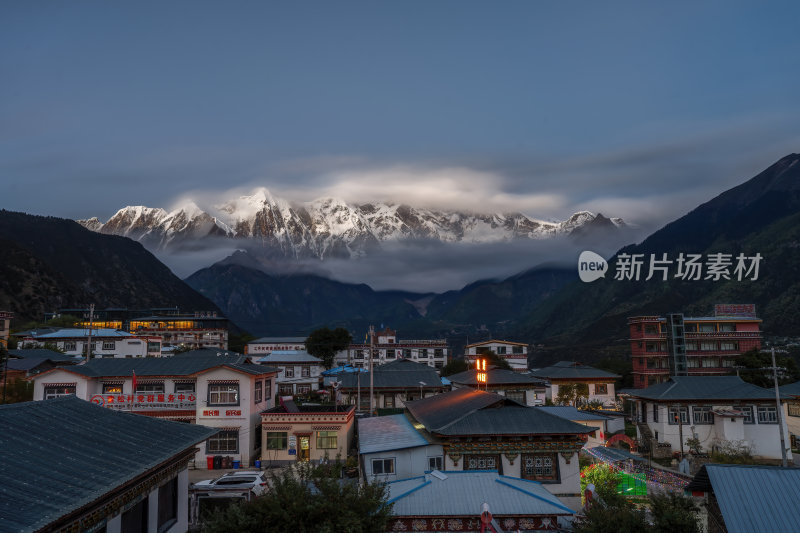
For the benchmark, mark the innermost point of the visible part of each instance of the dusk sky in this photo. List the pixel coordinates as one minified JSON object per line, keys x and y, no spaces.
{"x":640,"y":110}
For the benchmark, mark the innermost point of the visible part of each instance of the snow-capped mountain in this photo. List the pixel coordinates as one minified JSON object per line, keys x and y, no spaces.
{"x":326,"y":227}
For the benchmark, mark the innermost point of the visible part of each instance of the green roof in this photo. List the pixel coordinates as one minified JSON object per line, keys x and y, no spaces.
{"x":63,"y":454}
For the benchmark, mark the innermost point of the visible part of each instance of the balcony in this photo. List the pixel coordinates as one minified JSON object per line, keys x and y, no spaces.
{"x":723,"y":335}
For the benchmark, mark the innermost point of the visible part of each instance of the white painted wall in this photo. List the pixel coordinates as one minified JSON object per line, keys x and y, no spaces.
{"x":409,"y":462}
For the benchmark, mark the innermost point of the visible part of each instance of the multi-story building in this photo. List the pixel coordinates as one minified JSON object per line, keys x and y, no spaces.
{"x":387,"y":348}
{"x":267,"y":345}
{"x":693,"y":346}
{"x":514,"y":353}
{"x":223,"y":391}
{"x":103,"y":342}
{"x":197,"y":331}
{"x":600,"y":384}
{"x":298,"y":372}
{"x":5,"y":321}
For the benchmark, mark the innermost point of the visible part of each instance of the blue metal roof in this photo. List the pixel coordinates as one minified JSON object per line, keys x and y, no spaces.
{"x":753,"y":498}
{"x":462,"y":493}
{"x":384,"y":433}
{"x":62,"y":454}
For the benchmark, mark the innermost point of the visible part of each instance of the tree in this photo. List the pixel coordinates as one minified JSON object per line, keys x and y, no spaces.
{"x":454,"y":366}
{"x":492,"y":359}
{"x":237,"y":342}
{"x":604,"y":478}
{"x":674,"y":513}
{"x":572,"y":394}
{"x":324,"y":343}
{"x":756,"y":368}
{"x":307,"y":499}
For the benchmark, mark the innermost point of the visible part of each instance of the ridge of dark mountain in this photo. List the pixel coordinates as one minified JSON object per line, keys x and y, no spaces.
{"x":761,"y":215}
{"x":50,"y":263}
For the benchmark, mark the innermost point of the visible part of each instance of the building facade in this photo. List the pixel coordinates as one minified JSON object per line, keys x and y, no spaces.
{"x":514,"y":353}
{"x":103,"y":342}
{"x":599,"y":382}
{"x":267,"y":345}
{"x":709,"y":345}
{"x":393,"y":385}
{"x":388,"y":348}
{"x":196,"y":332}
{"x":299,"y":373}
{"x":294,"y":433}
{"x":521,"y":388}
{"x":5,"y":326}
{"x":224,"y":392}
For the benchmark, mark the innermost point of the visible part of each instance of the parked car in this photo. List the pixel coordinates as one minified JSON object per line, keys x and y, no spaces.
{"x":244,"y":479}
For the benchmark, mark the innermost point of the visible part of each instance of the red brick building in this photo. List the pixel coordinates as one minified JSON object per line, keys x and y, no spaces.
{"x":693,"y":346}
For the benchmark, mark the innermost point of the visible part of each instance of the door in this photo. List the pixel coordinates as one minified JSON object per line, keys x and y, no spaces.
{"x":304,"y":453}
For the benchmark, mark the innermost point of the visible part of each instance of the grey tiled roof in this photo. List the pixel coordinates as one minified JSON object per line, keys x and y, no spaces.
{"x":472,"y":412}
{"x":62,"y":454}
{"x":401,"y":374}
{"x":571,"y":413}
{"x":180,"y":365}
{"x":43,"y":353}
{"x":26,"y":364}
{"x":703,"y":388}
{"x":288,"y":356}
{"x":384,"y":433}
{"x":570,"y":370}
{"x":279,"y":340}
{"x":462,"y":493}
{"x":495,"y":376}
{"x":753,"y":498}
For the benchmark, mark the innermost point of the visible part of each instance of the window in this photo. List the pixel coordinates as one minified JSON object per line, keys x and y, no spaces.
{"x":748,"y":414}
{"x":692,"y":362}
{"x":481,"y":462}
{"x":70,"y":346}
{"x":438,"y":352}
{"x":601,"y":388}
{"x":277,"y":440}
{"x":540,"y":467}
{"x":675,"y":412}
{"x":517,"y":350}
{"x":794,"y":409}
{"x":153,"y":346}
{"x":423,"y":353}
{"x":382,"y":466}
{"x":359,"y":354}
{"x":727,"y":327}
{"x":185,"y":388}
{"x":224,"y":442}
{"x":703,"y":415}
{"x":258,"y":393}
{"x":305,"y":371}
{"x":267,"y":389}
{"x":390,"y":353}
{"x":388,"y":401}
{"x":54,"y":391}
{"x":286,"y":390}
{"x":501,"y":350}
{"x":727,"y":363}
{"x":289,"y":372}
{"x":167,"y":505}
{"x":407,"y":353}
{"x":326,"y":440}
{"x":436,"y":463}
{"x":438,"y":364}
{"x":109,"y":345}
{"x":691,"y":346}
{"x":655,"y":413}
{"x":134,"y":520}
{"x":223,"y":394}
{"x":112,"y":388}
{"x":707,"y":328}
{"x":152,"y":386}
{"x":767,"y":415}
{"x":708,"y":346}
{"x":516,"y":395}
{"x":303,"y":389}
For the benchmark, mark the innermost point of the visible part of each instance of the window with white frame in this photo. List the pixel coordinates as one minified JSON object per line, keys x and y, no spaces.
{"x":540,"y":467}
{"x":186,"y":387}
{"x":303,"y":388}
{"x":767,"y":414}
{"x":517,"y":350}
{"x":708,"y":346}
{"x":501,"y":350}
{"x":692,"y":362}
{"x":655,"y":412}
{"x":794,"y":409}
{"x":258,"y":392}
{"x":109,"y":345}
{"x":224,"y":442}
{"x":289,"y":372}
{"x":436,"y":463}
{"x":678,"y":415}
{"x":601,"y":388}
{"x":55,"y":391}
{"x":70,"y":346}
{"x":423,"y":353}
{"x":390,"y":353}
{"x":150,"y":387}
{"x":305,"y":372}
{"x":223,"y":394}
{"x":747,"y":410}
{"x":702,"y":414}
{"x":729,"y":346}
{"x":382,"y":466}
{"x":438,"y":352}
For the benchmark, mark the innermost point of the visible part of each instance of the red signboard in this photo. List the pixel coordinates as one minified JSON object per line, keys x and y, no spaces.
{"x":735,"y":310}
{"x":146,"y":401}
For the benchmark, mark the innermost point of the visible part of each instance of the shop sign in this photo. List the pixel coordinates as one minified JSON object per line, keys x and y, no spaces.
{"x":145,"y":401}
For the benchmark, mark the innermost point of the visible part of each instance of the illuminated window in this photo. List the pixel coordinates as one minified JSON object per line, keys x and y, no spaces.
{"x":112,"y":388}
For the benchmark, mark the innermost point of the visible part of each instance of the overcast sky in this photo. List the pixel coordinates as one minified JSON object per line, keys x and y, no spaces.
{"x":635,"y":109}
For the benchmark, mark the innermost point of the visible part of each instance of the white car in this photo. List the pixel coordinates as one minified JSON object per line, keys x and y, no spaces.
{"x":244,"y":479}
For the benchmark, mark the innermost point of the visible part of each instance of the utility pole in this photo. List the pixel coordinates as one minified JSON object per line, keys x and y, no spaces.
{"x":89,"y":341}
{"x":371,"y":377}
{"x":779,"y":410}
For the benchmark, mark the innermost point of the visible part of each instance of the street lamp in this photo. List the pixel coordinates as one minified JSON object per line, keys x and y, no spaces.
{"x":421,"y":384}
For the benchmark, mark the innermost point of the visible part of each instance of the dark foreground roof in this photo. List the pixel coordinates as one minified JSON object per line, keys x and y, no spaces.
{"x":728,"y":388}
{"x":753,"y":498}
{"x":44,"y":353}
{"x":60,"y":455}
{"x":473,"y":412}
{"x":400,"y":374}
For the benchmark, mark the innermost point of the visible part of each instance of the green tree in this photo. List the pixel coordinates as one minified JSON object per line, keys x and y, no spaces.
{"x":454,"y":366}
{"x":604,"y":478}
{"x":615,"y":517}
{"x":492,"y":359}
{"x":674,"y":513}
{"x":324,"y":343}
{"x":572,"y":394}
{"x":237,"y":342}
{"x":306,"y":499}
{"x":756,"y":368}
